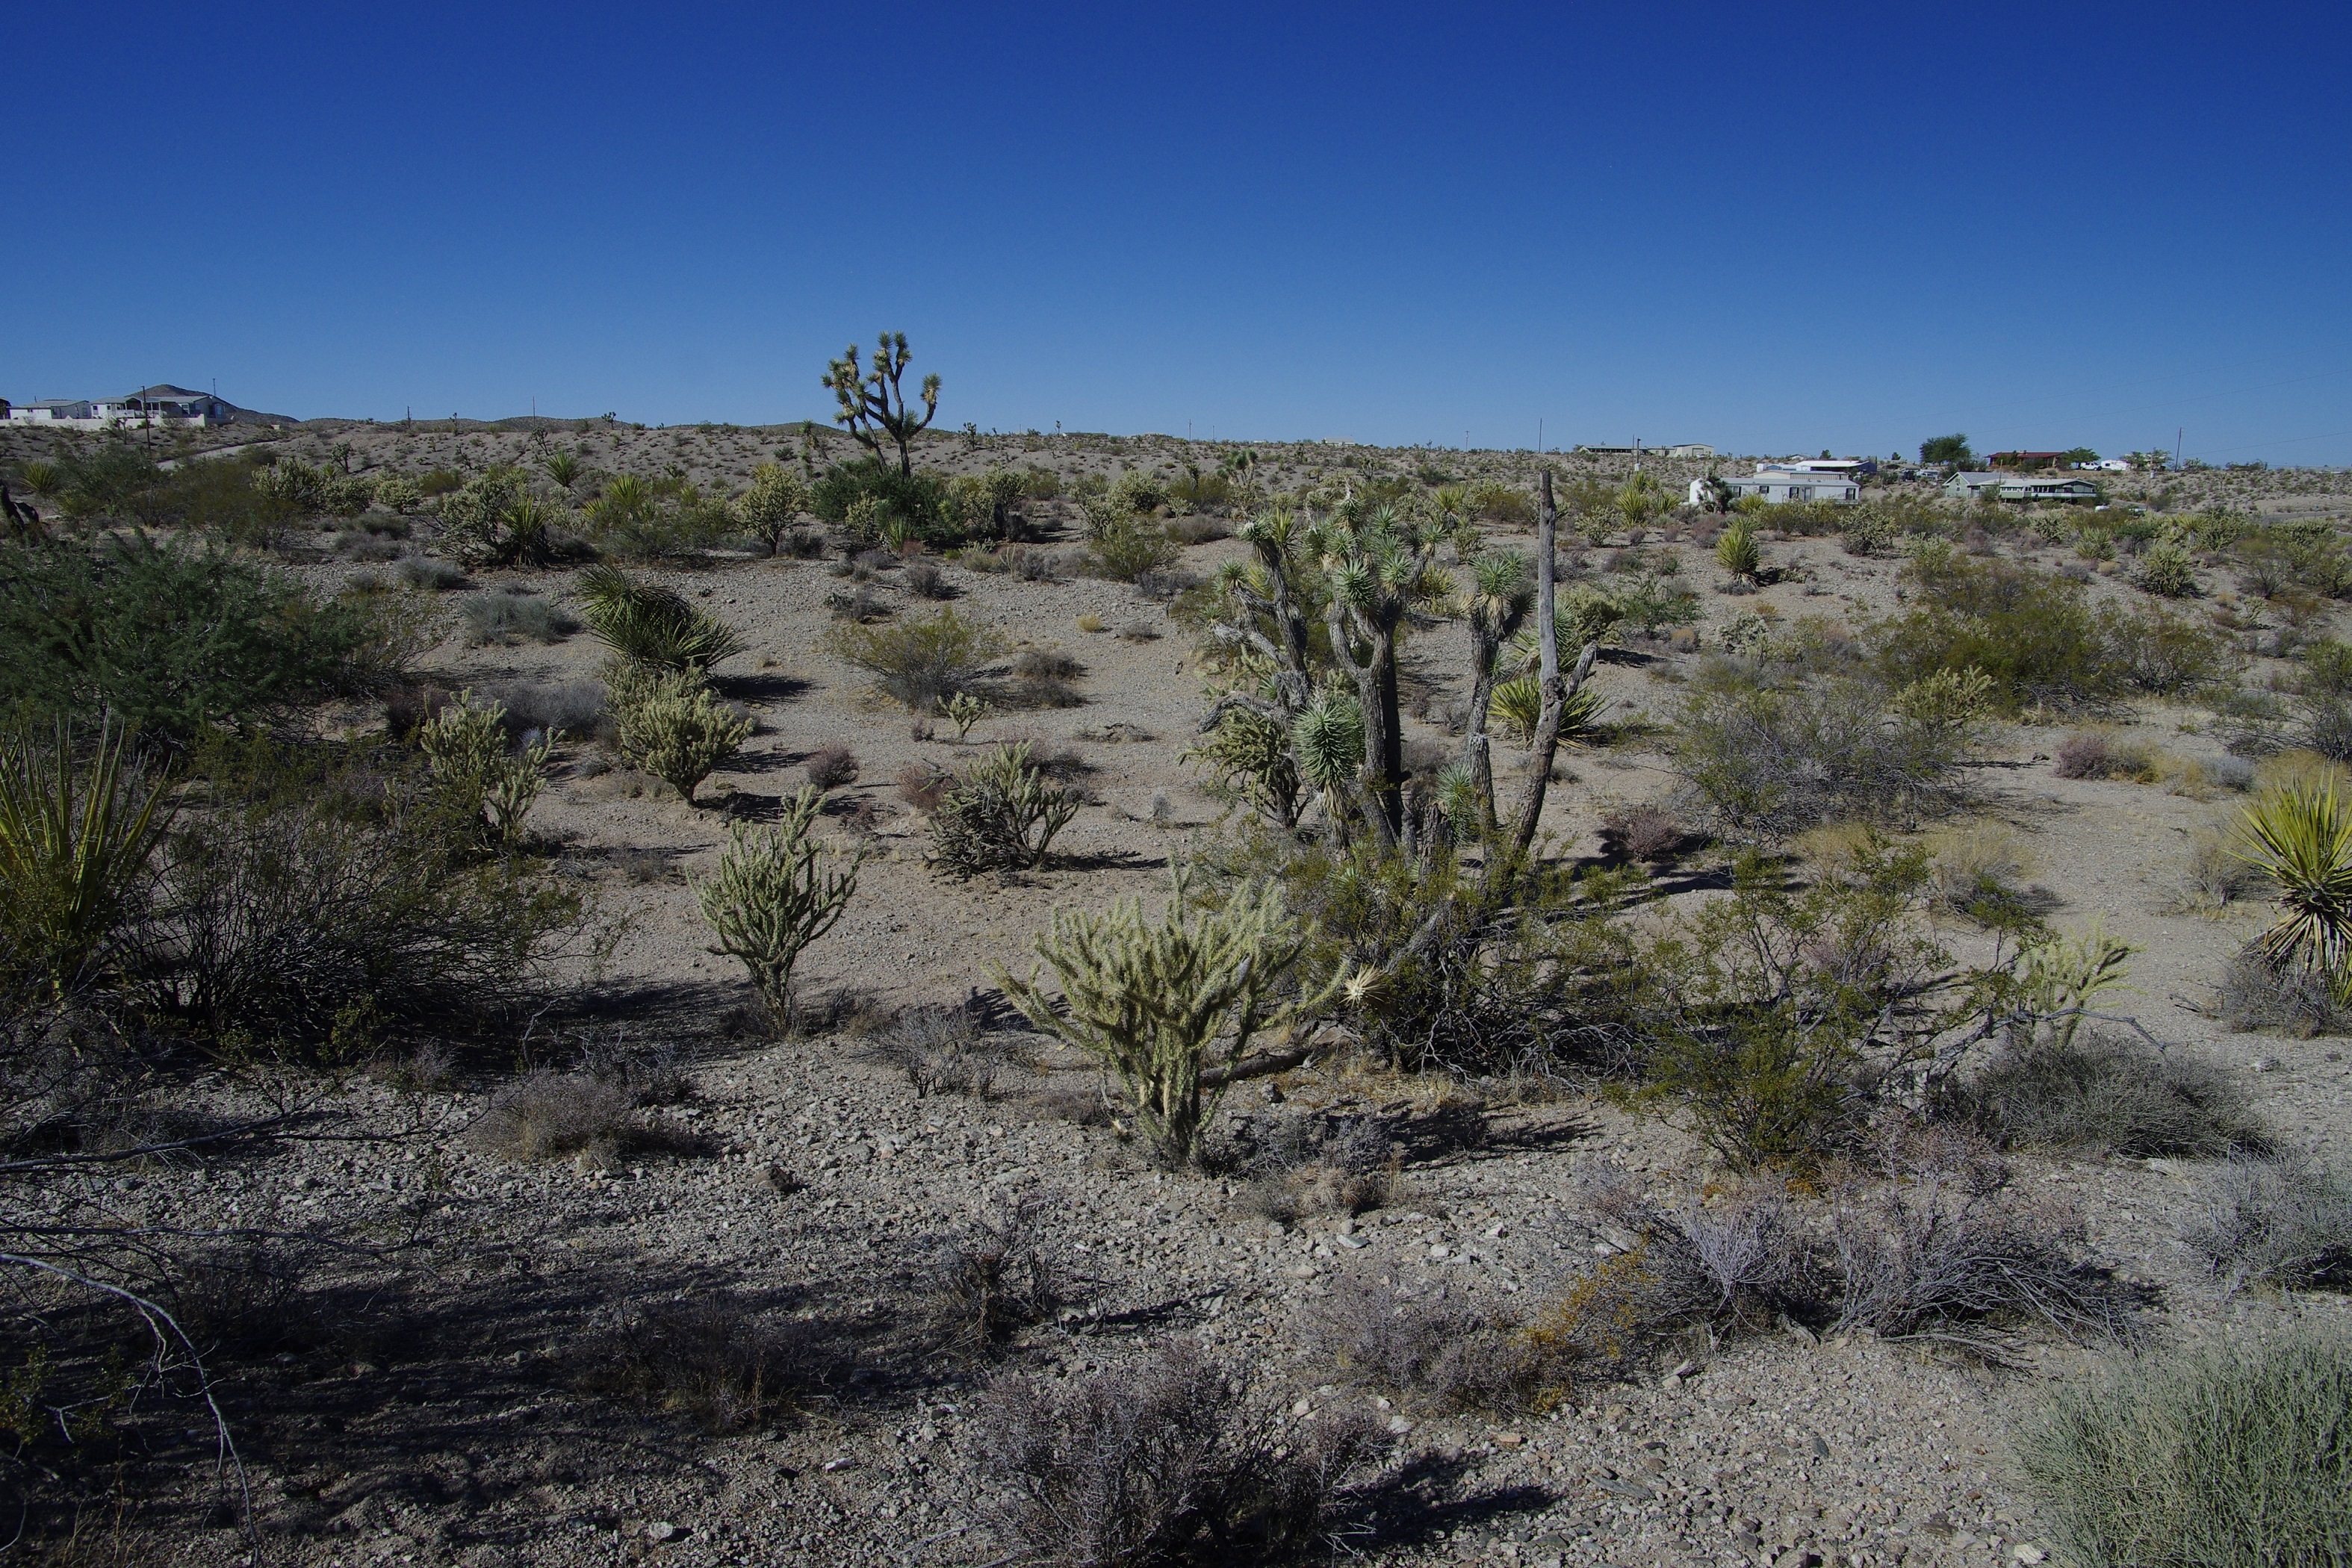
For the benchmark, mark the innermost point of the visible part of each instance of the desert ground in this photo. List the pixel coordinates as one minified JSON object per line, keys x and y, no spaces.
{"x":503,"y":1386}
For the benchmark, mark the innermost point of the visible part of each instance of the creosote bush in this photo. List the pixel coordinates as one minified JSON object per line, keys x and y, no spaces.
{"x":2234,"y":1453}
{"x":920,"y":662}
{"x":2110,"y":1094}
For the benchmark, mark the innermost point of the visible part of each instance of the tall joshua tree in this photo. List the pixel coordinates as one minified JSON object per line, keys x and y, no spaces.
{"x":1497,"y":603}
{"x":1381,"y":567}
{"x":874,"y":405}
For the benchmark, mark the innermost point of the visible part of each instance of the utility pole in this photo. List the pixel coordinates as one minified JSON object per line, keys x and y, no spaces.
{"x":2177,"y":436}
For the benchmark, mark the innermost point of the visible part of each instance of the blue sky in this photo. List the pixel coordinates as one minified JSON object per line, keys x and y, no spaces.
{"x":1772,"y":229}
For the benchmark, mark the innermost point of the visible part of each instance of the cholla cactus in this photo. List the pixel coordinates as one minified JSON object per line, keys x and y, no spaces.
{"x":962,"y":709}
{"x":773,"y":503}
{"x":1001,"y":816}
{"x":1151,"y":1000}
{"x":773,"y":896}
{"x":465,"y":746}
{"x":672,"y":726}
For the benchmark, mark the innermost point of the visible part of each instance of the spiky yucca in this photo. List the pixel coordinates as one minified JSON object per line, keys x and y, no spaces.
{"x":1737,"y":553}
{"x":649,"y":625}
{"x":773,"y":896}
{"x":74,"y":842}
{"x":1517,"y":708}
{"x":1152,"y":999}
{"x":2301,"y":837}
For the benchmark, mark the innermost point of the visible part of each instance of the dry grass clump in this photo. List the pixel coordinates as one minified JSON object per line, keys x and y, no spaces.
{"x":559,"y":1115}
{"x":2235,"y":1454}
{"x":943,"y":1050}
{"x":1436,"y":1346}
{"x":1000,"y":1274}
{"x":831,"y":767}
{"x":1733,"y":1256}
{"x":505,"y":616}
{"x":2103,"y":754}
{"x":1642,"y":832}
{"x":2104,"y":1094}
{"x":1939,"y":1251}
{"x":1350,"y":1168}
{"x":1161,"y":1465}
{"x":1978,"y":870}
{"x":2254,"y":995}
{"x":2214,"y":874}
{"x":2279,"y":1222}
{"x":711,"y":1356}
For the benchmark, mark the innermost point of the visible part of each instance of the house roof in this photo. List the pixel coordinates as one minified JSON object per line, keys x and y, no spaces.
{"x":164,"y":393}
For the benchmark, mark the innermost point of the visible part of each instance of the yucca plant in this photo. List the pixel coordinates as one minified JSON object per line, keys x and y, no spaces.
{"x":74,"y":844}
{"x":650,"y":624}
{"x":773,"y":896}
{"x":2300,"y":837}
{"x":1518,"y":708}
{"x":1737,"y":553}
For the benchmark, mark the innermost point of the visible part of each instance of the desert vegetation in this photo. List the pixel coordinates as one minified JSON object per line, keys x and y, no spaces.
{"x":1053,"y":999}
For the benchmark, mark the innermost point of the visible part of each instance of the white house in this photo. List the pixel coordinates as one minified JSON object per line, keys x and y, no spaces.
{"x":2110,"y":466}
{"x":1778,"y":483}
{"x":160,"y":405}
{"x":1691,"y":449}
{"x":2028,"y":488}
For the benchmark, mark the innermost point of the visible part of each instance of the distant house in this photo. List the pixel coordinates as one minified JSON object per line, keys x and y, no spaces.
{"x":51,"y":411}
{"x":161,"y":405}
{"x":2025,"y":487}
{"x":1691,"y":449}
{"x":1777,"y":483}
{"x":2111,"y":465}
{"x":1644,"y":449}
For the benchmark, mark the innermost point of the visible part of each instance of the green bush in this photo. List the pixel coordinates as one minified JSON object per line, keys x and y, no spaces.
{"x":669,"y":725}
{"x":2234,"y":1453}
{"x":1131,"y":547}
{"x":647,"y":623}
{"x":172,"y":640}
{"x":320,"y":895}
{"x":492,"y":521}
{"x":656,"y":520}
{"x":2168,"y":570}
{"x":2033,"y":635}
{"x":1737,"y":553}
{"x":921,"y":662}
{"x":465,"y":744}
{"x":918,"y":499}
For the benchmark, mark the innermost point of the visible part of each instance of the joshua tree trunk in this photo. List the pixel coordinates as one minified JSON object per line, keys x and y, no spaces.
{"x":1556,"y":691}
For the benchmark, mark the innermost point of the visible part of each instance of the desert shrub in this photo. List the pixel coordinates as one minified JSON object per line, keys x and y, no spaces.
{"x":658,"y":519}
{"x":2106,"y":1094}
{"x":507,"y":616}
{"x":171,"y":641}
{"x":708,"y":1355}
{"x":398,"y":494}
{"x":923,"y":786}
{"x":1198,"y":530}
{"x":1434,"y":1345}
{"x":1735,"y":1256}
{"x":2166,"y":655}
{"x":2235,"y":1453}
{"x":1151,"y":1000}
{"x":2256,"y":995}
{"x":2033,"y":636}
{"x":672,"y":726}
{"x":1347,"y":1169}
{"x":986,"y":504}
{"x":1642,"y":832}
{"x":1761,"y":763}
{"x":1000,"y":815}
{"x":831,"y":767}
{"x":999,"y":1274}
{"x":774,"y":894}
{"x":493,"y":521}
{"x":943,"y":1050}
{"x":430,"y":574}
{"x":1127,"y":548}
{"x":920,"y":661}
{"x":1046,"y":664}
{"x":2281,"y":1222}
{"x":1160,"y":1466}
{"x":316,"y":893}
{"x":1939,"y":1250}
{"x":2103,"y":754}
{"x":78,"y":826}
{"x":649,"y":625}
{"x":560,"y":1115}
{"x":534,"y":708}
{"x":1765,"y":1002}
{"x":918,"y":500}
{"x":1164,"y":584}
{"x":924,"y":579}
{"x":770,"y":505}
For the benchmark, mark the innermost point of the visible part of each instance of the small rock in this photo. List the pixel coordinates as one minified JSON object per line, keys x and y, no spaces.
{"x":1399,"y":1426}
{"x":1509,"y":1439}
{"x":2024,"y":1551}
{"x":841,"y":1464}
{"x":661,"y":1529}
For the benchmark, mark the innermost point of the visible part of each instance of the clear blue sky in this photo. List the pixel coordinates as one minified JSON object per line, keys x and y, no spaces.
{"x":1771,"y":228}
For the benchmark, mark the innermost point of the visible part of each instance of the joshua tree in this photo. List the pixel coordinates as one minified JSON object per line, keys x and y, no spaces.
{"x":1499,"y":598}
{"x":873,"y":403}
{"x":1380,"y":568}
